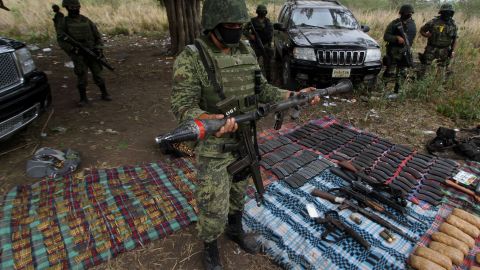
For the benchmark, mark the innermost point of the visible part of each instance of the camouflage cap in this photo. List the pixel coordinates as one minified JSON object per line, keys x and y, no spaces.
{"x":66,"y":3}
{"x":447,"y":7}
{"x":406,"y":9}
{"x":261,"y":8}
{"x":226,"y":11}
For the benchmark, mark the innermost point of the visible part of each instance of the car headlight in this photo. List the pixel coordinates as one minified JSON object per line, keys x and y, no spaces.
{"x":373,"y":55}
{"x":25,"y":60}
{"x":304,"y":54}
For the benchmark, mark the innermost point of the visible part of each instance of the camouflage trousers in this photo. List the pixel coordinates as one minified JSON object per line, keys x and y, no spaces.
{"x":217,"y":196}
{"x":396,"y":66}
{"x":266,"y":60}
{"x":440,"y":56}
{"x":82,"y":65}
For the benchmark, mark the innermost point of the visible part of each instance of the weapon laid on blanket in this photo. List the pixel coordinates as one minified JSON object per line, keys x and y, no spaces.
{"x":357,"y":184}
{"x":332,"y":223}
{"x":352,"y":206}
{"x":365,"y":201}
{"x":196,"y":129}
{"x":86,"y":51}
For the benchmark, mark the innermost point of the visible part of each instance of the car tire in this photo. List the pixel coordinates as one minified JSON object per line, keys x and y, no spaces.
{"x":287,"y":77}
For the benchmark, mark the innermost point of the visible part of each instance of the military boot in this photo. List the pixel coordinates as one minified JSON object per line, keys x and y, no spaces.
{"x":211,"y":257}
{"x":236,"y":233}
{"x":105,"y":95}
{"x":83,"y":96}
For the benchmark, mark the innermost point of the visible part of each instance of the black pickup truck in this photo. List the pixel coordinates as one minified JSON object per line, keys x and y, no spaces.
{"x":24,"y":90}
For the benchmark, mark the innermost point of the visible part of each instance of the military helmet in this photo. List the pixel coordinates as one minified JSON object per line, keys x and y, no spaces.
{"x":447,"y":7}
{"x":226,"y":11}
{"x":261,"y":8}
{"x":406,"y":9}
{"x":66,"y":3}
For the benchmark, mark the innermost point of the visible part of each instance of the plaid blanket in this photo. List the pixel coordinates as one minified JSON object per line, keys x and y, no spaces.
{"x":292,"y":239}
{"x":85,"y":219}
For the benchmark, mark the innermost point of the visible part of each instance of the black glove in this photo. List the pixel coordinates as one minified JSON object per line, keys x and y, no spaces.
{"x":98,"y":52}
{"x":75,"y":51}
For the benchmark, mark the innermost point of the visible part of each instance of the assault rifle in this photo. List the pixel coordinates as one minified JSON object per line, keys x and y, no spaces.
{"x":407,"y":48}
{"x":332,"y":223}
{"x":355,"y":208}
{"x":258,"y":40}
{"x":197,"y":129}
{"x":86,"y":51}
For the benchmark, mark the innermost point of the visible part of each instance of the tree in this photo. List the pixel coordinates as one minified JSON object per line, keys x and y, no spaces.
{"x":183,"y":22}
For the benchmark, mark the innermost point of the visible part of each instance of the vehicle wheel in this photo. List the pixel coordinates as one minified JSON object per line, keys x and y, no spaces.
{"x":287,"y":77}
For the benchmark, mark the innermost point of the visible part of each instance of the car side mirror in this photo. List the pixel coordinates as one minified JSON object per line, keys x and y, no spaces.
{"x":279,"y":27}
{"x":365,"y":28}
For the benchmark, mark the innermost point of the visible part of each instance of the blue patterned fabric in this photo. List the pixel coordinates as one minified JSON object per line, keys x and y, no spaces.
{"x":293,"y":240}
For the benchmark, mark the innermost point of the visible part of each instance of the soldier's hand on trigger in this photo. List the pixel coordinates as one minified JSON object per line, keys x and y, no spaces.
{"x":229,"y":127}
{"x":400,"y":40}
{"x":75,"y":51}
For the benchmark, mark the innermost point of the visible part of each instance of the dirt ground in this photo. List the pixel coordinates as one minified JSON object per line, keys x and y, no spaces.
{"x":121,"y":132}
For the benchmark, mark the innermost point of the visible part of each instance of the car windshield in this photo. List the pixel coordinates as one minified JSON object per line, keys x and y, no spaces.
{"x":323,"y":18}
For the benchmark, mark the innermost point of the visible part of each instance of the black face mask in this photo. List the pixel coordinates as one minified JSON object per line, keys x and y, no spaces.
{"x":446,"y":15}
{"x":262,"y":14}
{"x":73,"y":12}
{"x":405,"y":17}
{"x":229,"y":37}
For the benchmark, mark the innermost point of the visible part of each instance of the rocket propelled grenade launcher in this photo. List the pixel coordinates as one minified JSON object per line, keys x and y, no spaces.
{"x":194,"y":130}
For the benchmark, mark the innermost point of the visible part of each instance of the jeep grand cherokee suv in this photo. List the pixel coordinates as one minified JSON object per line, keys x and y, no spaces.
{"x":320,"y":42}
{"x":24,"y":90}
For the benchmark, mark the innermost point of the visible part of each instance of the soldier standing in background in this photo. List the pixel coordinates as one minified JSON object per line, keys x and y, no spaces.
{"x":260,"y":34}
{"x":58,"y":15}
{"x":395,"y":61}
{"x":83,"y":30}
{"x":220,"y":67}
{"x":442,"y":38}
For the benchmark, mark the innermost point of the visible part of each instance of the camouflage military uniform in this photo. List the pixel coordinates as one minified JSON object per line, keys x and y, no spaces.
{"x":83,"y":30}
{"x":395,"y":62}
{"x":441,"y":42}
{"x":192,"y":95}
{"x":264,"y":29}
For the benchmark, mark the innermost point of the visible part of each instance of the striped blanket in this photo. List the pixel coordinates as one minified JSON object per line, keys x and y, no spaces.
{"x":82,"y":220}
{"x":293,"y":240}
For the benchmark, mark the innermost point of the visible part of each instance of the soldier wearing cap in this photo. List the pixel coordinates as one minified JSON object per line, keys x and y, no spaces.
{"x":395,"y":60}
{"x":220,"y":67}
{"x":441,"y":33}
{"x":83,"y":30}
{"x":260,"y":27}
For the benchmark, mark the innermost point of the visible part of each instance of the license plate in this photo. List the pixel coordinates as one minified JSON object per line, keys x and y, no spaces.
{"x":341,"y":73}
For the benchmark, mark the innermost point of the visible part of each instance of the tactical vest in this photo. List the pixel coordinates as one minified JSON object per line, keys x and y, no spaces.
{"x":442,"y":34}
{"x":81,"y":30}
{"x":235,"y":76}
